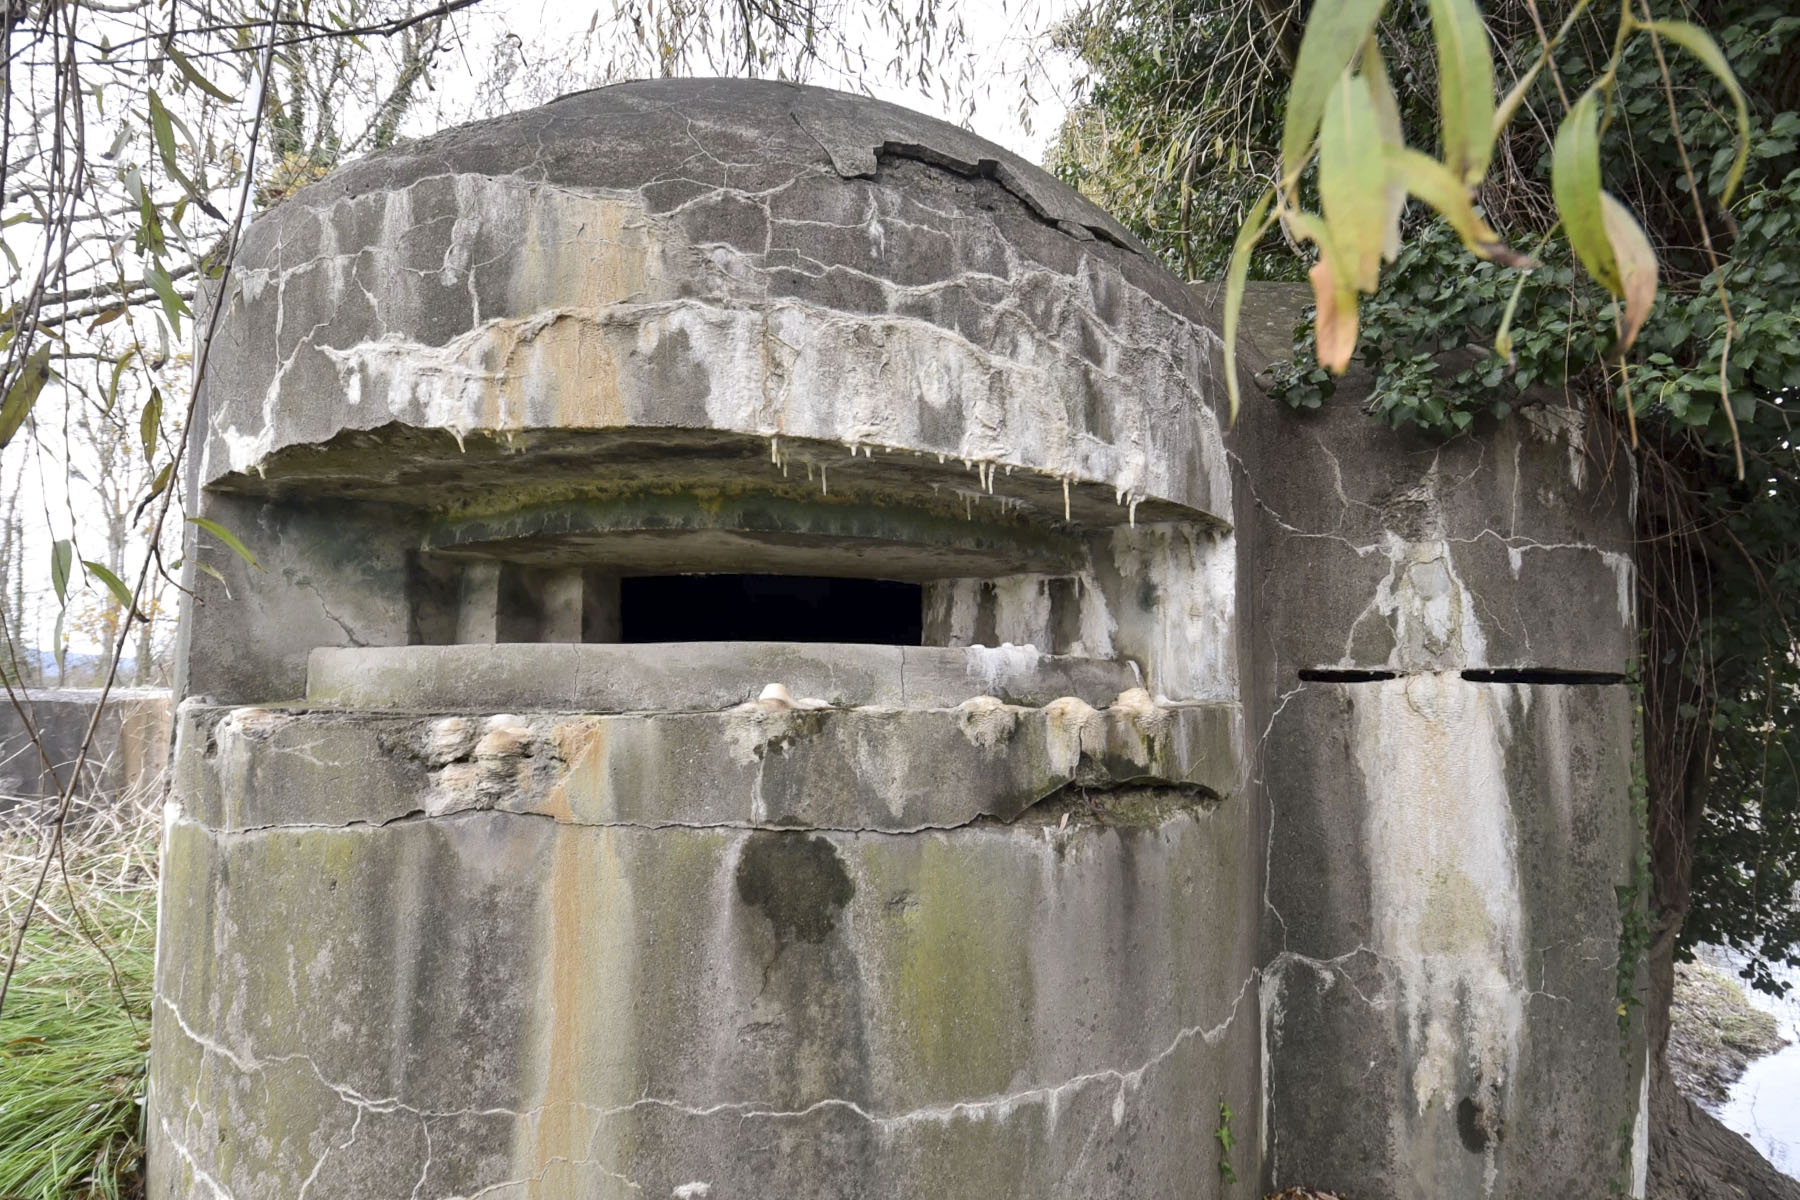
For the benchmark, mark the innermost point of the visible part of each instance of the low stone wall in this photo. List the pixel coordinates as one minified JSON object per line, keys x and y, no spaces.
{"x":130,"y":749}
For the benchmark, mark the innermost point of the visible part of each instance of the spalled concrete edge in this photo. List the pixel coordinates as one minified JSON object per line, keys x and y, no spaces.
{"x":738,"y":280}
{"x":763,"y":764}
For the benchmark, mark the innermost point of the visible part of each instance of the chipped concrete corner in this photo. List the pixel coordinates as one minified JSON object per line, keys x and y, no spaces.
{"x":469,"y":893}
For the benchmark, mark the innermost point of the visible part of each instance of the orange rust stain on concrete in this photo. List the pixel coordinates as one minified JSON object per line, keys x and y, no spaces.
{"x":590,"y":251}
{"x":582,"y":789}
{"x":559,"y":372}
{"x":587,"y":254}
{"x":588,"y":1043}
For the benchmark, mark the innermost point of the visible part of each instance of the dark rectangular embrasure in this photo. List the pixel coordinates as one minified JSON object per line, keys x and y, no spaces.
{"x":1345,"y":675}
{"x":769,"y":608}
{"x":1542,"y":675}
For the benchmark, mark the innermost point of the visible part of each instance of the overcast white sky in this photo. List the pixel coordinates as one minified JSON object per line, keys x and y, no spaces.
{"x":1006,"y":55}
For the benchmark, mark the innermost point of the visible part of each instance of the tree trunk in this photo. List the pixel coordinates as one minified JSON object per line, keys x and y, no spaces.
{"x":1692,"y":1156}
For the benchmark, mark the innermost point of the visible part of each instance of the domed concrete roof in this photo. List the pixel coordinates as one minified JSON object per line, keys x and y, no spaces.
{"x":754,"y":269}
{"x":740,"y":133}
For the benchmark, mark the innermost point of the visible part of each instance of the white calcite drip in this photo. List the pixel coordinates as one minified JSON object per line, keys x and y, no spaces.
{"x":1446,"y":904}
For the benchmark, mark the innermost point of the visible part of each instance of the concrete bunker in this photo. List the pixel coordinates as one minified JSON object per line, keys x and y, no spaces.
{"x":969,"y":866}
{"x":701,"y":521}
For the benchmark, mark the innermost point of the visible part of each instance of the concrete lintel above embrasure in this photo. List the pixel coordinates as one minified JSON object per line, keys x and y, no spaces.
{"x":698,"y":676}
{"x":763,"y":533}
{"x":766,"y":764}
{"x":481,"y":476}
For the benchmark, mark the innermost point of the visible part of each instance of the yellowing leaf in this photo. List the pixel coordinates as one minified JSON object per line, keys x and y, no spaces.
{"x":1387,"y":119}
{"x":1334,"y":293}
{"x":1334,"y":33}
{"x":23,"y":394}
{"x":1699,"y":43}
{"x":1465,"y":87}
{"x":1435,"y":184}
{"x":149,"y":422}
{"x":1353,"y":180}
{"x":1235,"y":276}
{"x":1335,"y":331}
{"x":1637,"y":266}
{"x":1575,"y":182}
{"x":1504,"y":114}
{"x":156,"y":489}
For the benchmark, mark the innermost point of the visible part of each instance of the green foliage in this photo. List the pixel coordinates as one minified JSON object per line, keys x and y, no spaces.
{"x":1720,"y":557}
{"x":1178,"y":133}
{"x":72,"y":1057}
{"x":1226,"y":1140}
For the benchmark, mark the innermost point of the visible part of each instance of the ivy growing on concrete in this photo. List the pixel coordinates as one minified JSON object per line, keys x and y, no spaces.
{"x":1180,"y":133}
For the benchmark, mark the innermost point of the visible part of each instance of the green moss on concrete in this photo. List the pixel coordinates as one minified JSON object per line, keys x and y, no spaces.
{"x":963,"y":975}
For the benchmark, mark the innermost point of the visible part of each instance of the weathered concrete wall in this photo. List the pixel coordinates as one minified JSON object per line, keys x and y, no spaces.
{"x":971,"y":918}
{"x":130,"y":748}
{"x":869,"y":316}
{"x":461,"y":899}
{"x":1439,"y":638}
{"x":983,"y":950}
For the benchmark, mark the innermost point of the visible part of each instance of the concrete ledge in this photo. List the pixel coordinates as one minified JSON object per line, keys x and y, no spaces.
{"x":890,"y":770}
{"x":698,"y":676}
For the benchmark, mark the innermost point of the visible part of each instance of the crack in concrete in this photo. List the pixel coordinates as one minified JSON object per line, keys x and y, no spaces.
{"x":471,"y":812}
{"x":998,"y":1107}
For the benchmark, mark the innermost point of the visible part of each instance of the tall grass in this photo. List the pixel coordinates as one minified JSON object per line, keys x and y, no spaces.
{"x":76,"y":1029}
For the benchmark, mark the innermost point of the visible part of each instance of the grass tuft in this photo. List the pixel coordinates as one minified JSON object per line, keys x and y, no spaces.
{"x":72,"y":1048}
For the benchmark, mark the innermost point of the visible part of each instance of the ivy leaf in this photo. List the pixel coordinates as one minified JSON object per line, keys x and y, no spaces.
{"x":1575,"y":182}
{"x":1334,"y":34}
{"x":229,"y":538}
{"x":1465,"y":87}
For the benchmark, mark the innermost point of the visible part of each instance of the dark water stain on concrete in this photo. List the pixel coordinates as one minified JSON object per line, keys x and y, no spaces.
{"x":798,"y":881}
